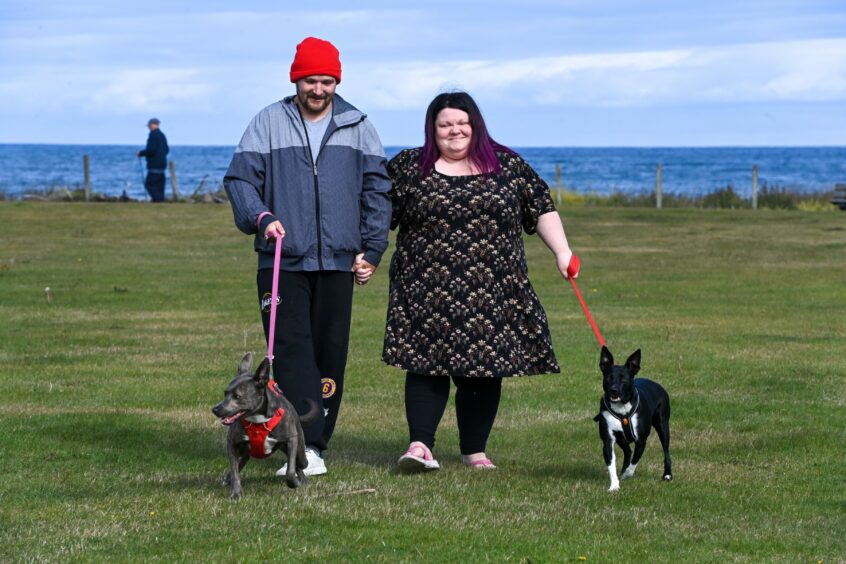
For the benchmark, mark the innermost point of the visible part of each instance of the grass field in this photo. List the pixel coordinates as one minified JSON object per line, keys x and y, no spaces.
{"x":110,"y":452}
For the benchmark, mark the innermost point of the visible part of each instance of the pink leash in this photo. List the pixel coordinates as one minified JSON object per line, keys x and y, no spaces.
{"x":277,"y":257}
{"x":572,"y":269}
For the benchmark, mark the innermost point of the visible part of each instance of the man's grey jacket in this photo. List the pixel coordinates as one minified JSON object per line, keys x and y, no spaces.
{"x":331,"y":210}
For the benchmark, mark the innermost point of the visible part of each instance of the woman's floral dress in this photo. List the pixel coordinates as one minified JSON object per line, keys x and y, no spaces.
{"x":460,"y":301}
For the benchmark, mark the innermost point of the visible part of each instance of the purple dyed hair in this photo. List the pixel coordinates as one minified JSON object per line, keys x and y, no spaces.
{"x":482,"y":147}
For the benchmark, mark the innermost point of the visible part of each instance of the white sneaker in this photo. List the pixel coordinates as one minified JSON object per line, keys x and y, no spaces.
{"x":315,"y":467}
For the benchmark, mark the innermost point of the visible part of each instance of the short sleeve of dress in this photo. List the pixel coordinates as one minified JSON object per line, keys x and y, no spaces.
{"x":536,"y":197}
{"x":399,"y":169}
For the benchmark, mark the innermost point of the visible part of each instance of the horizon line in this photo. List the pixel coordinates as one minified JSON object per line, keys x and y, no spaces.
{"x":407,"y":146}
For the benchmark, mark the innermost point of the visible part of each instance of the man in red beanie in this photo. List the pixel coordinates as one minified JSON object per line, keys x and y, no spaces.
{"x":309,"y":174}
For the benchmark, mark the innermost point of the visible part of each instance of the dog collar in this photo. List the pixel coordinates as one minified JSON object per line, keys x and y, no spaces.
{"x":626,"y":419}
{"x":274,"y":388}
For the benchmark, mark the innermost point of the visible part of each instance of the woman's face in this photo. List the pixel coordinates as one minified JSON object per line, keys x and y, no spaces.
{"x":453,"y":133}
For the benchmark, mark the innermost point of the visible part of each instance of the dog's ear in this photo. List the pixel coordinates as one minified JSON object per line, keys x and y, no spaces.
{"x":263,"y":373}
{"x":633,"y":362}
{"x":246,"y":365}
{"x":606,"y":359}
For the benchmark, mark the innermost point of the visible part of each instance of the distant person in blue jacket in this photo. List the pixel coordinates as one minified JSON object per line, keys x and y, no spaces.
{"x":156,"y":154}
{"x":309,"y":174}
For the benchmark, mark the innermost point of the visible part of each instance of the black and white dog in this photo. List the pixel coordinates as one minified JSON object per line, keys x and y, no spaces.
{"x":627,"y":411}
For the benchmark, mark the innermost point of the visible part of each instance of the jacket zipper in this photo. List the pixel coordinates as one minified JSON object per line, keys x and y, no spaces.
{"x":316,"y":188}
{"x":316,"y":195}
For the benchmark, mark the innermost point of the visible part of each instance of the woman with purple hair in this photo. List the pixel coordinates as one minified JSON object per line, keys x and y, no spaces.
{"x":461,"y":305}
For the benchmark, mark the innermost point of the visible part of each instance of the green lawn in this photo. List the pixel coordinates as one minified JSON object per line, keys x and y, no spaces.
{"x":110,"y":452}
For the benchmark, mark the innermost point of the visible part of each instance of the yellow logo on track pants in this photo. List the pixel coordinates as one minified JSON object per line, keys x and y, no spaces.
{"x":328,"y":387}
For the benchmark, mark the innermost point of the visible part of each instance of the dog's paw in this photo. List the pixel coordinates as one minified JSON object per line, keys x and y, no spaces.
{"x":294,"y":483}
{"x":668,"y":477}
{"x":628,"y":473}
{"x":614,"y":488}
{"x":235,"y":496}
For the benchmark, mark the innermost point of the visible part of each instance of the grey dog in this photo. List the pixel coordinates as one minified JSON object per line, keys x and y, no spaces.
{"x":266,"y":422}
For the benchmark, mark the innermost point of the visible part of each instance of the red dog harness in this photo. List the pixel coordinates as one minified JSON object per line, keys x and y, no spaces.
{"x":258,"y":432}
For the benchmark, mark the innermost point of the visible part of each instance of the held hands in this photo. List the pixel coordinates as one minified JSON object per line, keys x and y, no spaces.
{"x":363,"y":270}
{"x":568,"y":264}
{"x":274,"y":230}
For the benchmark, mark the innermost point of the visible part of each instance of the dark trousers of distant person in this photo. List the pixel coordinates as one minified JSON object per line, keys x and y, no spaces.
{"x":155,"y":185}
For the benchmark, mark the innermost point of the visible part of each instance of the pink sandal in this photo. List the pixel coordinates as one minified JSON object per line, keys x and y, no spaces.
{"x":482,"y":464}
{"x":417,"y":458}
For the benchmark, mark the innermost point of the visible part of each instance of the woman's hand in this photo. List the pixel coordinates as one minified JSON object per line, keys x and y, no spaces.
{"x":568,"y":264}
{"x":363,"y":270}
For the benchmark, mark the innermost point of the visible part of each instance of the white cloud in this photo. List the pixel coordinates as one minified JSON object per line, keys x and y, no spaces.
{"x":404,"y":85}
{"x":110,"y":92}
{"x":143,"y":89}
{"x":219,"y":62}
{"x":787,"y":71}
{"x":813,"y":70}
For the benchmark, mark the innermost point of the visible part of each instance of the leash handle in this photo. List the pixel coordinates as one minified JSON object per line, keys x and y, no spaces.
{"x":277,"y":258}
{"x":572,"y":269}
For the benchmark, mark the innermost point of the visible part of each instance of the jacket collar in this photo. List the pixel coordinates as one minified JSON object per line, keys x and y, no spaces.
{"x":343,"y":113}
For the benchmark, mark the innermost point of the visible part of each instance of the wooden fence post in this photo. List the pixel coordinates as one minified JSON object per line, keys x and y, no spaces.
{"x":87,"y":174}
{"x":173,"y":183}
{"x":658,"y":187}
{"x":755,"y":186}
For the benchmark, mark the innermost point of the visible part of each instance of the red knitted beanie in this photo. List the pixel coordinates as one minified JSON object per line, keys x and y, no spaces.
{"x":315,"y":56}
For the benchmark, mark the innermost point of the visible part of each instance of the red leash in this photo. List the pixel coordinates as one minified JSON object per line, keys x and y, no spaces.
{"x":572,"y":270}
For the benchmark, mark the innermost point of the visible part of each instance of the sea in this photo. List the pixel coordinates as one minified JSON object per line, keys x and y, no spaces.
{"x":685,"y":171}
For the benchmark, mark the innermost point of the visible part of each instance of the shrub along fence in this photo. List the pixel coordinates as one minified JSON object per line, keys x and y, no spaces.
{"x":768,"y":197}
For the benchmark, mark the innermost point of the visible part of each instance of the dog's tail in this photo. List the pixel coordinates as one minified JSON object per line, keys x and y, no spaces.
{"x":312,"y":414}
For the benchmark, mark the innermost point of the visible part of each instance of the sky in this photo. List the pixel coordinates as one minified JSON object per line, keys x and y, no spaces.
{"x":594,"y":73}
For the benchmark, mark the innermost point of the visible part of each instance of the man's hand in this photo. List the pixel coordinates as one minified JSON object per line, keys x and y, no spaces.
{"x":274,"y":230}
{"x":363,"y":270}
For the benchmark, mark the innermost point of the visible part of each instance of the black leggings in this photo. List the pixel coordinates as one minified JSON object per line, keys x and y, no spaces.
{"x":476,"y":404}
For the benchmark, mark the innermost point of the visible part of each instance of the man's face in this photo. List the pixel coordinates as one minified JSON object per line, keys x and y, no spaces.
{"x":315,"y":93}
{"x":152,"y":126}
